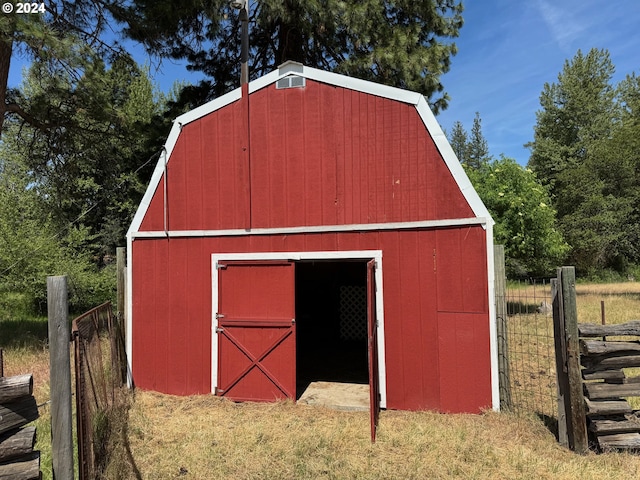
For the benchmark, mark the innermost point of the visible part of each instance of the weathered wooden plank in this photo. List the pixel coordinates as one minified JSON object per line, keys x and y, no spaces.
{"x":609,"y":427}
{"x":597,"y":391}
{"x":24,"y":468}
{"x":504,"y":381}
{"x":599,"y":347}
{"x":607,"y":407}
{"x":12,"y":388}
{"x":60,"y":377}
{"x":562,"y":379}
{"x":578,"y":440}
{"x":16,"y":414}
{"x":17,"y":443}
{"x":619,"y":441}
{"x":623,"y":329}
{"x":611,"y":363}
{"x":611,"y":376}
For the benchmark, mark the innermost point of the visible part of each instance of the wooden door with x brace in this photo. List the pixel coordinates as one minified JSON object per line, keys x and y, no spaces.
{"x":256,"y":330}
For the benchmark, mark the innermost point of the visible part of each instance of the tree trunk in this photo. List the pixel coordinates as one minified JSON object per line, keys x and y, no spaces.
{"x":6,"y":48}
{"x":290,"y":38}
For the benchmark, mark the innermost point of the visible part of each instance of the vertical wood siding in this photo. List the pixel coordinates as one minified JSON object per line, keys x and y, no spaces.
{"x":437,"y":354}
{"x":319,"y":155}
{"x":208,"y":176}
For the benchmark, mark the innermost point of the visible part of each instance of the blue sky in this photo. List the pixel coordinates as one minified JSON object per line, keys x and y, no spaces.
{"x":508,"y":49}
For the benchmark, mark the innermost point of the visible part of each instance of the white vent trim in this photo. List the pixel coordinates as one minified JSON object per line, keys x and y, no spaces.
{"x":291,"y":81}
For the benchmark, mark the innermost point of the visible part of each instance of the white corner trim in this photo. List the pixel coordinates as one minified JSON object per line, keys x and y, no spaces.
{"x":314,"y":255}
{"x":129,"y":319}
{"x":493,"y":328}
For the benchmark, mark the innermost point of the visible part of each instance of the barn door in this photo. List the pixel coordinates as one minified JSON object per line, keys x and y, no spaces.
{"x":256,"y":330}
{"x":372,"y":324}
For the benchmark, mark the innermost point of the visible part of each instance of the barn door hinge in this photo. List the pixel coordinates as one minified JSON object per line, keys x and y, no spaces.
{"x":219,"y":329}
{"x":221,"y":266}
{"x":219,"y":391}
{"x":219,"y":315}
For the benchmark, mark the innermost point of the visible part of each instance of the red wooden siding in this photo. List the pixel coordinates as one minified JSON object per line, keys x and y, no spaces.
{"x":257,"y":347}
{"x":435,"y":359}
{"x":208,"y":174}
{"x":320,"y":155}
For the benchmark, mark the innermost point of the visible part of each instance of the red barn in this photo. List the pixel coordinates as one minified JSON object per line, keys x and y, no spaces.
{"x":313,"y":226}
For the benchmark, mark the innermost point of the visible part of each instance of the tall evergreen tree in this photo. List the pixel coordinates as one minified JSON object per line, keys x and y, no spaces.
{"x":472,"y":149}
{"x":61,"y":35}
{"x":477,"y":148}
{"x":404,"y":44}
{"x":86,"y":169}
{"x":459,"y":141}
{"x":582,"y":151}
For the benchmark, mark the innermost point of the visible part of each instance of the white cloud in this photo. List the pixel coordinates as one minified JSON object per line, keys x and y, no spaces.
{"x":562,"y":21}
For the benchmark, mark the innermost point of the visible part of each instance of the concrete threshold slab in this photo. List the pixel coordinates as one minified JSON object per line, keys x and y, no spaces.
{"x":339,"y":396}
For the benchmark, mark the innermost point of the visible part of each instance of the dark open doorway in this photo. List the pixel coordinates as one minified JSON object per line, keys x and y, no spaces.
{"x":331,"y":322}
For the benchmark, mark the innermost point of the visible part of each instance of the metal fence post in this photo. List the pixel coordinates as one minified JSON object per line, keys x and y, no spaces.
{"x":60,"y":378}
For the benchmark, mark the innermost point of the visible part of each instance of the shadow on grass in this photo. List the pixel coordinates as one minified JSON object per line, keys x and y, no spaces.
{"x":23,"y":333}
{"x":551,"y":423}
{"x":522,"y":308}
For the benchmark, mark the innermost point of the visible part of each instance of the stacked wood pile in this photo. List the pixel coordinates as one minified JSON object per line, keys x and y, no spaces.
{"x":18,"y":407}
{"x":611,"y":419}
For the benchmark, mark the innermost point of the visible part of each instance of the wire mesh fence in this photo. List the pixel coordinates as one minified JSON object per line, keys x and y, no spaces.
{"x":531,"y":350}
{"x":100,"y":367}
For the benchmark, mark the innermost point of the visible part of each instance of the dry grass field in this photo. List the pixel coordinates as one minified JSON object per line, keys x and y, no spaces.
{"x":205,"y":437}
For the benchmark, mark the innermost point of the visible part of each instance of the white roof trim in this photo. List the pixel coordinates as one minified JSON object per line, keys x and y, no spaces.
{"x":451,"y":160}
{"x":365,"y":86}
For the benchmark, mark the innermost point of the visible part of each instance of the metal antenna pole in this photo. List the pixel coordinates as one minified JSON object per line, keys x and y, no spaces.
{"x":244,"y":52}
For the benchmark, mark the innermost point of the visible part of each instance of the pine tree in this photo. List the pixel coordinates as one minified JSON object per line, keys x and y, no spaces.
{"x":583,"y":150}
{"x":404,"y":44}
{"x":459,"y":140}
{"x":477,"y":148}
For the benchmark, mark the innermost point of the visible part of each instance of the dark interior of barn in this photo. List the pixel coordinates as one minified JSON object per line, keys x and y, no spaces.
{"x":331,"y":322}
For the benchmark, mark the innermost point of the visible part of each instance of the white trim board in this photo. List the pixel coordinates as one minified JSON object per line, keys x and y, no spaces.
{"x":318,"y":255}
{"x":493,"y":329}
{"x":362,"y":227}
{"x":330,"y":78}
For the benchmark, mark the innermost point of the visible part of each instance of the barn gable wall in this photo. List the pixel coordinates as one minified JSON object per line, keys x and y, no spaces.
{"x":319,"y":155}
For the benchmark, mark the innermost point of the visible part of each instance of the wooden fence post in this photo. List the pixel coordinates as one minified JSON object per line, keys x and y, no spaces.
{"x":572,"y":424}
{"x":60,"y":378}
{"x":501,"y":326}
{"x":120,"y":268}
{"x":562,"y":379}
